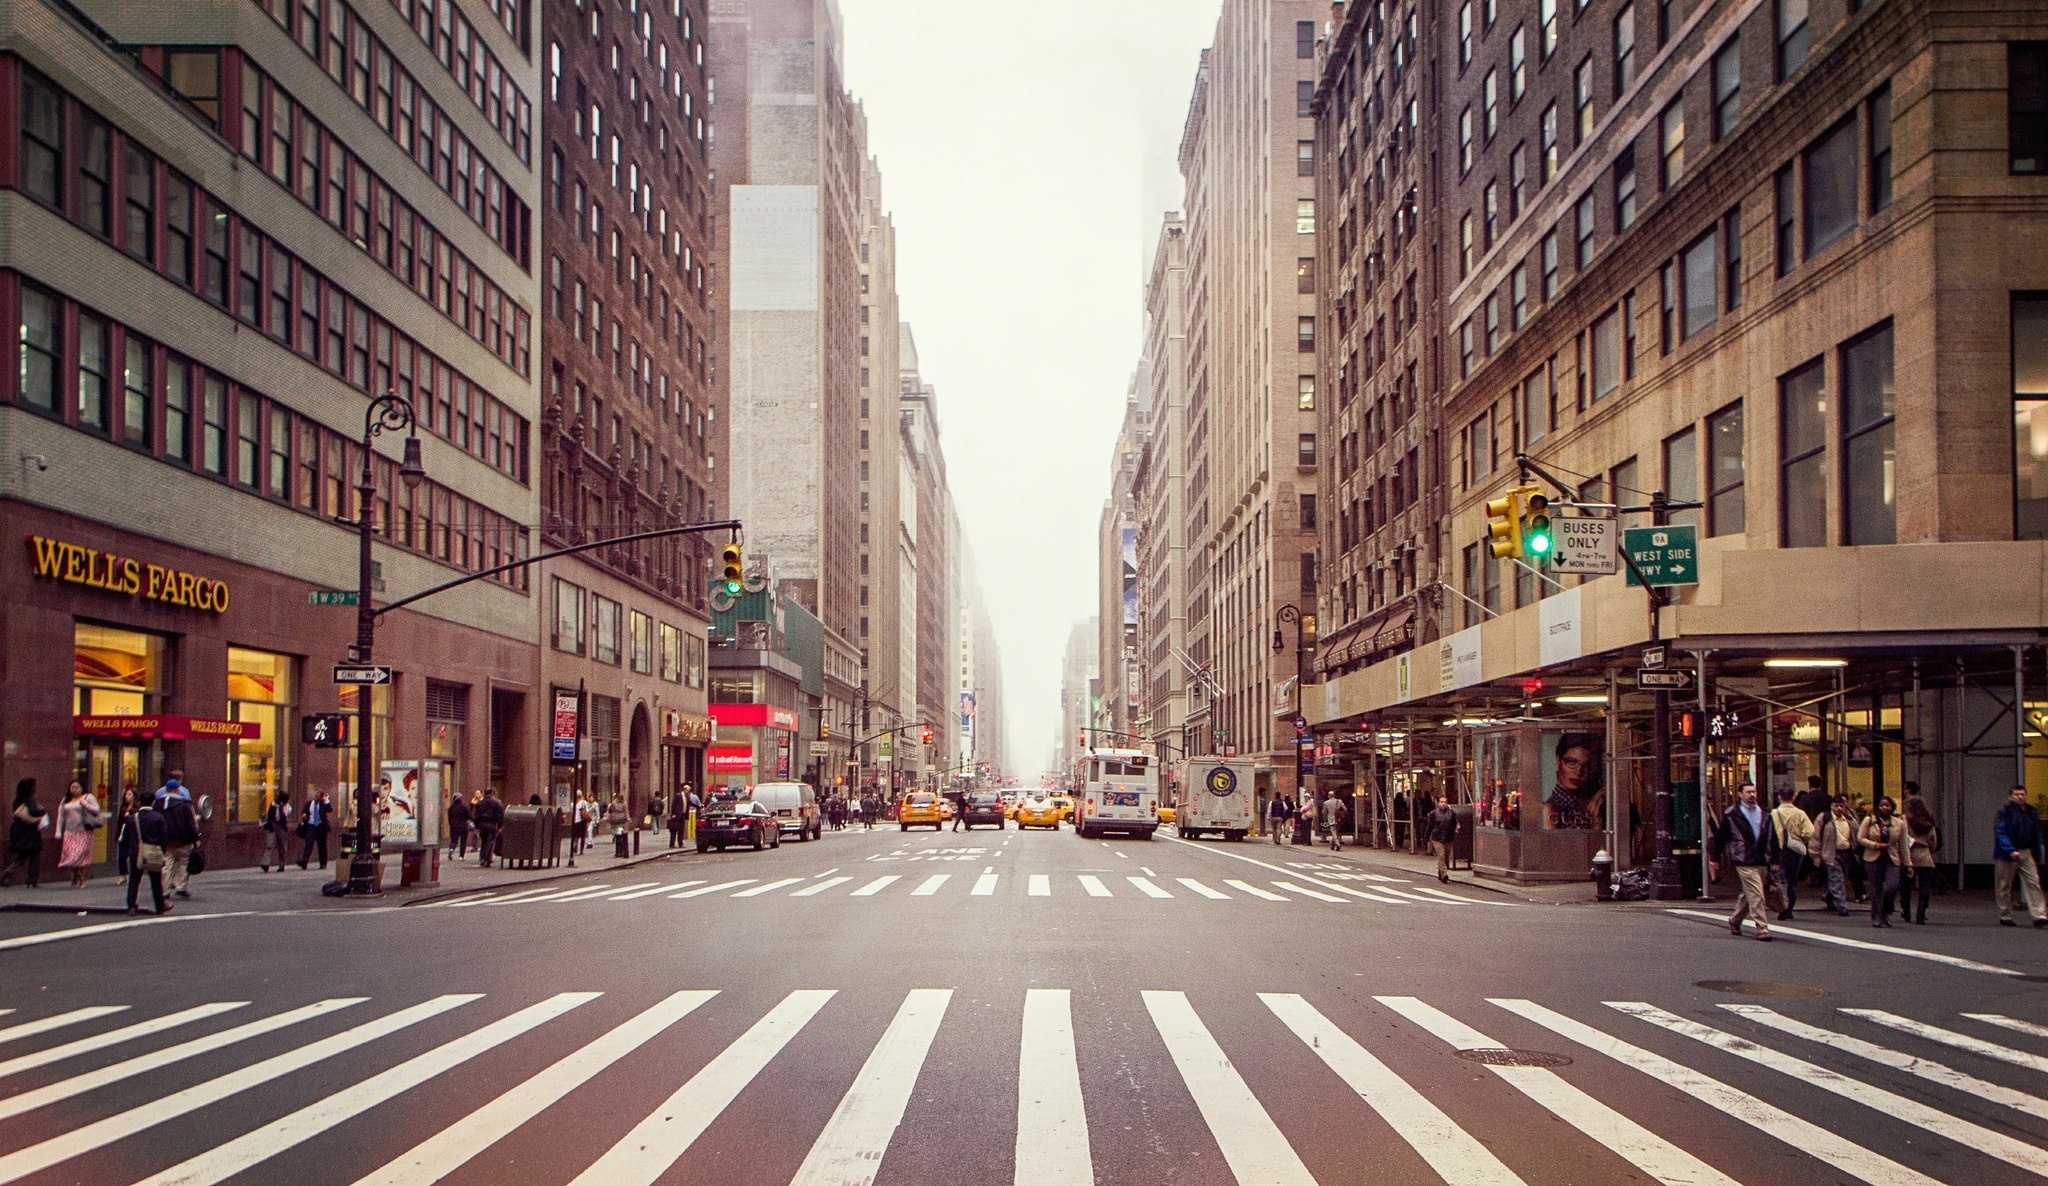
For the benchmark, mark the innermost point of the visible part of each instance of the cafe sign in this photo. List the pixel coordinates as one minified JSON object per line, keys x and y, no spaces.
{"x":76,"y":564}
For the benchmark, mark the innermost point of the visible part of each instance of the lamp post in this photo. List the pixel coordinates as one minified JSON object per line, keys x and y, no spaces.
{"x":1290,"y":613}
{"x":387,"y":413}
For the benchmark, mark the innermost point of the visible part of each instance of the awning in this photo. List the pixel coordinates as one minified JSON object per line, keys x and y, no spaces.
{"x":169,"y":728}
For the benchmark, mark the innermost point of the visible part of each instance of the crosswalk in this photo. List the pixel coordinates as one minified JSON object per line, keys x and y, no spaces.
{"x":1620,"y":1083}
{"x":1341,"y":888}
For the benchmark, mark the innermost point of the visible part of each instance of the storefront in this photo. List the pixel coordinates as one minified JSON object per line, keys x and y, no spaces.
{"x":756,"y":743}
{"x":684,"y":735}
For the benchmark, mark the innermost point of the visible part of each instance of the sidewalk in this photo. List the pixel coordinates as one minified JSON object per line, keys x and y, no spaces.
{"x":294,"y":889}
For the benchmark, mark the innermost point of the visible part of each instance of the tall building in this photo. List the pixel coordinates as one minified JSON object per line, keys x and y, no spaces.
{"x":1679,"y":255}
{"x":927,"y":524}
{"x":630,"y":426}
{"x":1077,"y":690}
{"x":227,"y":233}
{"x":1199,"y":730}
{"x":885,"y":674}
{"x":1160,"y":495}
{"x":1249,"y":160}
{"x":1117,"y":572}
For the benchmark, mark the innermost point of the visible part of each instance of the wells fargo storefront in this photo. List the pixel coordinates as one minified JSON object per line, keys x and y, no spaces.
{"x":126,"y":658}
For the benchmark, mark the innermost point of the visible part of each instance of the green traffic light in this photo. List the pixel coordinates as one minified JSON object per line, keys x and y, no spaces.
{"x":1539,"y":544}
{"x":1536,"y":536}
{"x":732,"y":588}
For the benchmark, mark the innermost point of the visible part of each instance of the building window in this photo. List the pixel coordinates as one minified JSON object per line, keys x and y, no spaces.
{"x":1667,"y":306}
{"x":138,"y":392}
{"x":1304,"y":99}
{"x":2026,"y":105}
{"x":260,"y":688}
{"x":1305,"y":450}
{"x":178,"y":229}
{"x":1305,"y":334}
{"x":1682,"y":473}
{"x":213,"y":427}
{"x":1606,"y":353}
{"x":1698,"y":268}
{"x":1535,"y":408}
{"x":1490,"y":206}
{"x":1725,"y":511}
{"x":1727,"y":75}
{"x":1470,"y":602}
{"x":1465,"y":34}
{"x":1546,"y":16}
{"x":1829,"y":193}
{"x":1786,"y":219}
{"x":1490,"y":103}
{"x":1305,"y":390}
{"x":1547,"y":144}
{"x":1518,"y":178}
{"x":1304,"y":39}
{"x":1795,"y":36}
{"x":1518,"y":64}
{"x":1878,"y":117}
{"x":1731,"y":259}
{"x":1550,"y":265}
{"x":1625,"y":189}
{"x":1583,"y":231}
{"x":93,"y":364}
{"x":1465,"y":245}
{"x":1305,"y":275}
{"x":2030,"y":414}
{"x":248,"y":439}
{"x":1671,"y":144}
{"x":1624,"y":48}
{"x":1465,"y":348}
{"x":1518,"y":296}
{"x":1308,"y":512}
{"x":1304,"y":158}
{"x":1582,"y":99}
{"x":1479,"y":448}
{"x":1465,"y":139}
{"x":568,"y":633}
{"x":1869,"y":463}
{"x":42,"y":141}
{"x":1802,"y":451}
{"x":95,"y":175}
{"x":604,"y":630}
{"x":1305,"y":216}
{"x":177,"y":409}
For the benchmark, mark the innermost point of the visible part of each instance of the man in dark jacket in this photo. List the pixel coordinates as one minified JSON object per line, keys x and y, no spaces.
{"x":1745,"y":839}
{"x":1441,"y":827}
{"x":144,"y":826}
{"x":313,"y":829}
{"x":488,"y":816}
{"x":2017,"y":849}
{"x":458,"y":826}
{"x":181,"y":826}
{"x":678,"y":816}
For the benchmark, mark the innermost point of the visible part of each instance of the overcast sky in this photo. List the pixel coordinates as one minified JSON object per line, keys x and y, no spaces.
{"x":1027,"y":153}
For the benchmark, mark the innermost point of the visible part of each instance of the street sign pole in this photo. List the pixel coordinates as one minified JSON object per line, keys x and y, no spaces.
{"x":1664,"y":880}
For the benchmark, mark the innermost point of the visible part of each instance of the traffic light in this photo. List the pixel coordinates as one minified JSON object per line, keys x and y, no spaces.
{"x":926,"y":736}
{"x":324,"y":730}
{"x":1504,"y":524}
{"x":733,"y":577}
{"x":1536,"y":539}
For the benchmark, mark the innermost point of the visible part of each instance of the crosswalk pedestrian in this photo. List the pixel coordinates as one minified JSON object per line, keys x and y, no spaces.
{"x":667,"y":1086}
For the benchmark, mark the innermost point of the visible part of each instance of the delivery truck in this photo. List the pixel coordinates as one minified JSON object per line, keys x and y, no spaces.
{"x":1220,"y":796}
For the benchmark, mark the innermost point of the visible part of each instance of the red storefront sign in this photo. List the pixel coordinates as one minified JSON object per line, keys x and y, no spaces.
{"x":729,"y":759}
{"x":169,"y":728}
{"x":765,"y":715}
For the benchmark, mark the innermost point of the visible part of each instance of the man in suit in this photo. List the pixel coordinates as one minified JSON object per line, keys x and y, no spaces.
{"x":487,"y":817}
{"x":314,"y":828}
{"x":1746,"y":840}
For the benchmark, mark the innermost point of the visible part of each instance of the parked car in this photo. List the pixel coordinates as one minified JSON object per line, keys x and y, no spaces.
{"x":795,"y":806}
{"x":737,"y":821}
{"x":919,"y":809}
{"x":1038,"y":812}
{"x":983,"y":808}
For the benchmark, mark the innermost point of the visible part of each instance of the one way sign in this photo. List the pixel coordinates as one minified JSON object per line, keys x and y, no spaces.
{"x":361,"y":673}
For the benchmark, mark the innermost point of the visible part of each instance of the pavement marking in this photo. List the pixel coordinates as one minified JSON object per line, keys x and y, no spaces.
{"x":1779,"y":928}
{"x":1040,"y":886}
{"x":493,"y":898}
{"x":444,"y":1152}
{"x":984,"y":885}
{"x":1811,"y":1139}
{"x":2011,"y":1023}
{"x":1415,"y":895}
{"x":881,"y":883}
{"x":849,"y":1151}
{"x":1147,"y":872}
{"x":1452,"y":1152}
{"x":1203,"y":890}
{"x":662,"y":1136}
{"x":179,"y":1104}
{"x":1635,"y":1144}
{"x":141,"y":1064}
{"x":1094,"y":886}
{"x":819,"y":887}
{"x":104,"y":927}
{"x":1305,"y":892}
{"x":115,"y":1037}
{"x":929,"y":887}
{"x":765,"y":887}
{"x":224,"y":1161}
{"x":1253,"y":1145}
{"x":1890,"y":1105}
{"x":659,"y":889}
{"x":1925,"y":1068}
{"x":1146,"y":887}
{"x":1324,"y":883}
{"x":1052,"y":1123}
{"x":701,"y":890}
{"x":29,"y":1029}
{"x":1122,"y":857}
{"x":1433,"y":892}
{"x":1254,"y":891}
{"x":828,"y":872}
{"x":2018,"y":1058}
{"x":558,"y":895}
{"x":608,"y":891}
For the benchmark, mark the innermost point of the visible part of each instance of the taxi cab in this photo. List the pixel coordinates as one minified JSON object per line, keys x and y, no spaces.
{"x":1066,"y":805}
{"x":1038,"y":812}
{"x":1168,"y":813}
{"x":919,"y":809}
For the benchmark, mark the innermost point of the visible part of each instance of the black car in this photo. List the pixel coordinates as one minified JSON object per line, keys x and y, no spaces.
{"x":982,"y":809}
{"x":737,"y":822}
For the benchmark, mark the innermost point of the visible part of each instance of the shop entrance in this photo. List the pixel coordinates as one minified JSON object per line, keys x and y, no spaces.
{"x":110,"y":767}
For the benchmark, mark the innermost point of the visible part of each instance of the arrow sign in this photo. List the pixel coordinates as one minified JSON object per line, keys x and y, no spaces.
{"x":1674,"y":680}
{"x":361,"y":673}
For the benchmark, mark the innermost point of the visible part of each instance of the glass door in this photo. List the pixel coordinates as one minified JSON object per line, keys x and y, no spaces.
{"x":110,"y":768}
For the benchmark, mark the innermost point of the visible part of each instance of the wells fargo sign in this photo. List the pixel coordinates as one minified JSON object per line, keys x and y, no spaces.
{"x":76,"y":564}
{"x":171,"y":728}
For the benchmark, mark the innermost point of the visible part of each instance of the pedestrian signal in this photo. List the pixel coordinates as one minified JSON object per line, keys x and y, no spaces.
{"x":1536,"y":539}
{"x":734,"y":579}
{"x":1504,"y":524}
{"x":324,"y":730}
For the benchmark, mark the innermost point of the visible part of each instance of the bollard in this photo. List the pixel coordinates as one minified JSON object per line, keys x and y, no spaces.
{"x":1603,"y":876}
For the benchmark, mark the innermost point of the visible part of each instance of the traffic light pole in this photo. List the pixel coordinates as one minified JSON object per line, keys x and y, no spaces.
{"x":1664,"y":880}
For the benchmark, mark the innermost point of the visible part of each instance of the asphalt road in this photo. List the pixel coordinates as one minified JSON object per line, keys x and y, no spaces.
{"x":923,"y":1009}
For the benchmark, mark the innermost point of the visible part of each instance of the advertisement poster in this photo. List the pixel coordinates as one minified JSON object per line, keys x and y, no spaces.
{"x":409,"y":801}
{"x":1574,"y":781}
{"x":1130,"y":576}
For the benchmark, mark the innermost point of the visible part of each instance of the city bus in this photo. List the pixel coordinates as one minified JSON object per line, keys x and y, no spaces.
{"x":1119,"y":793}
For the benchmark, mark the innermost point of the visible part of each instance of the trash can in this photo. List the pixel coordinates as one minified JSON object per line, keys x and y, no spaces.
{"x":1461,"y":845}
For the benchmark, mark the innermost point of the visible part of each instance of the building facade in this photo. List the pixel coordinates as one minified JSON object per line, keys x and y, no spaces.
{"x":1160,"y":494}
{"x":1116,"y":537}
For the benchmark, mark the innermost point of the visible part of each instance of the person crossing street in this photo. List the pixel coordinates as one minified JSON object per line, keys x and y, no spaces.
{"x":1441,"y":827}
{"x":1794,"y":830}
{"x":2016,"y":852}
{"x":1745,"y":839}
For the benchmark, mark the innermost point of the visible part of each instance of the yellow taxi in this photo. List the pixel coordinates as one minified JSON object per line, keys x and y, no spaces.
{"x":1066,"y":805}
{"x":919,"y":809}
{"x":1038,"y":812}
{"x":1168,"y":813}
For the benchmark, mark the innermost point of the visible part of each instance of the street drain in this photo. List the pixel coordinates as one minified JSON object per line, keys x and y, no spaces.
{"x":1501,"y":1056}
{"x":1761,"y":988}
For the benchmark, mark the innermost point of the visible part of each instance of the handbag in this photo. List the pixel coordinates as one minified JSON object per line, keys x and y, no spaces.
{"x":150,"y":857}
{"x":196,"y":863}
{"x":90,"y":819}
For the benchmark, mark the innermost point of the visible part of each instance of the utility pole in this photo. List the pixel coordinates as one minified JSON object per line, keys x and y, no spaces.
{"x":1664,"y":880}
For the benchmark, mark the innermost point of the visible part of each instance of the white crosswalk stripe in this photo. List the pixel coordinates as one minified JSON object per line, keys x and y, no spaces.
{"x":2012,"y":1023}
{"x":702,"y":890}
{"x":985,"y":885}
{"x":931,"y":884}
{"x":397,"y":1068}
{"x":767,"y":887}
{"x":29,"y":1029}
{"x":819,"y":887}
{"x":1146,"y":886}
{"x":1948,"y":1037}
{"x":1203,"y":890}
{"x":1093,"y":885}
{"x":1305,"y":892}
{"x":881,"y":883}
{"x":1253,"y":890}
{"x":1040,"y":886}
{"x":659,"y":889}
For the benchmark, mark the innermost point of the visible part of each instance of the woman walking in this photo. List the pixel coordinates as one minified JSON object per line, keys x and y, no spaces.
{"x":25,"y":829}
{"x":1884,"y":852}
{"x":78,"y":817}
{"x":122,"y":855}
{"x":276,"y":831}
{"x":615,"y":816}
{"x":1923,"y":840}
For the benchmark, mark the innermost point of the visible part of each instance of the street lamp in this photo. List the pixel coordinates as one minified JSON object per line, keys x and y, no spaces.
{"x":387,"y":413}
{"x":1289,"y":613}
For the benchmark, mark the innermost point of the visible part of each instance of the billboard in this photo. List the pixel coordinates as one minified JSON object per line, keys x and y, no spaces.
{"x":1130,"y":586}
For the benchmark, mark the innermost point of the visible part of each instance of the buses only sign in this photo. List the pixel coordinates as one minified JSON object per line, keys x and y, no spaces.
{"x":1585,"y":547}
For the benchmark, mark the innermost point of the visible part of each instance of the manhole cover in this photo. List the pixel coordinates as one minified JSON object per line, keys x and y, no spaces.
{"x":1501,"y":1056}
{"x":1762,"y":988}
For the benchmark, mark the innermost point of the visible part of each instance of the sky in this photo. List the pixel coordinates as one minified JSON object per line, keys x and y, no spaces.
{"x":1027,"y":155}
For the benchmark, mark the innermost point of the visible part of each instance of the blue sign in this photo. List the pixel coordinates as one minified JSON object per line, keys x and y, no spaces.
{"x":565,"y":749}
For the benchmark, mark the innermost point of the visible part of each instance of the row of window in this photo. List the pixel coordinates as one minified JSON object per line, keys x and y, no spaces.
{"x":588,"y":623}
{"x":454,"y":41}
{"x":107,"y":379}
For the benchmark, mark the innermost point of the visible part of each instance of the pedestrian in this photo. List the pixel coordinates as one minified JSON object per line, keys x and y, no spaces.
{"x":123,"y":856}
{"x":1835,"y":847}
{"x":1884,"y":854}
{"x":1794,"y":830}
{"x":487,"y":816}
{"x":1442,"y":829}
{"x":1745,"y":839}
{"x":181,"y":829}
{"x":314,"y":828}
{"x":579,"y":822}
{"x":1923,"y":840}
{"x":1399,"y":819}
{"x":1280,"y":817}
{"x":25,"y":828}
{"x":78,"y":817}
{"x":276,"y":831}
{"x":2016,"y":850}
{"x":458,"y":826}
{"x":143,"y":835}
{"x":1305,"y":819}
{"x":1332,"y":813}
{"x":1854,"y":866}
{"x":621,"y":824}
{"x":1814,"y":800}
{"x":678,"y":816}
{"x":654,"y":806}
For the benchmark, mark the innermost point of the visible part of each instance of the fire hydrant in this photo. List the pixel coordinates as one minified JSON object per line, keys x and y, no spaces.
{"x":1603,"y":876}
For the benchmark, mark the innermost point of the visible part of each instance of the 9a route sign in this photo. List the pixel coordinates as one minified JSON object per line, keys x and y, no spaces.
{"x":1668,"y":555}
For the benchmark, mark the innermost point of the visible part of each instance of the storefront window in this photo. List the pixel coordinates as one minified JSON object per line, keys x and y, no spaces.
{"x":117,"y":672}
{"x":734,"y":689}
{"x":602,"y":736}
{"x":447,"y":719}
{"x":381,"y":724}
{"x":260,"y":688}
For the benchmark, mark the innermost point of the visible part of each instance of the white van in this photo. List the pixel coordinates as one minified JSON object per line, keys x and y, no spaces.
{"x":795,"y":806}
{"x":1219,"y":795}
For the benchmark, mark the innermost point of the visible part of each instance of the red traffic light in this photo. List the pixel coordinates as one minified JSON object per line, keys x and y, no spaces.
{"x":927,"y":735}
